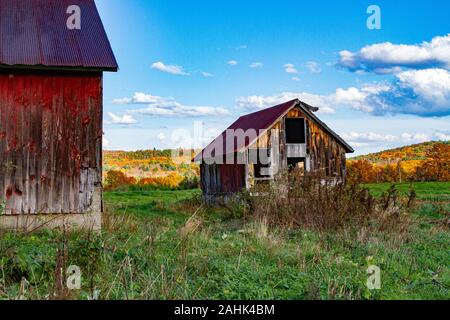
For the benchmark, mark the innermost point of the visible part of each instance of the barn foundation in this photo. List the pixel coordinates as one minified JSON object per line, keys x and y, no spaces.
{"x":89,"y":221}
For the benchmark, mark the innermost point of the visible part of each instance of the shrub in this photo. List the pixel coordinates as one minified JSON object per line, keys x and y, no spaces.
{"x":117,"y":179}
{"x":319,"y":203}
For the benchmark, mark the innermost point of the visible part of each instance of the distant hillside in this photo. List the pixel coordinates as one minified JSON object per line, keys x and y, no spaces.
{"x":150,"y":163}
{"x":416,"y":152}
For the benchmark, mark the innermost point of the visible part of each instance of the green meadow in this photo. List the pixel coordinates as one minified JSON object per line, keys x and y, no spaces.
{"x":167,"y":245}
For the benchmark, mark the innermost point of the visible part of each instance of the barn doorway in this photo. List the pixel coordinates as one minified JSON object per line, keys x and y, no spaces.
{"x":297,"y":164}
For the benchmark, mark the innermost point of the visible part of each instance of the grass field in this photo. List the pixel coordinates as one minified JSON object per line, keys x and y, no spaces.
{"x":433,"y":191}
{"x":157,"y":245}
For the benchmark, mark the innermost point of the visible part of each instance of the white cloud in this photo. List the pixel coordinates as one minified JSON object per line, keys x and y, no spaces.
{"x":172,"y":69}
{"x":241,"y":47}
{"x":384,"y":58}
{"x":125,"y":119}
{"x":262,"y":102}
{"x":143,"y":98}
{"x":161,"y":136}
{"x":169,"y":107}
{"x":290,"y":68}
{"x":358,"y":139}
{"x":207,"y":74}
{"x":431,"y":84}
{"x":255,"y":65}
{"x":313,"y":67}
{"x":232,"y":63}
{"x":424,"y":93}
{"x":419,"y":92}
{"x":295,"y":79}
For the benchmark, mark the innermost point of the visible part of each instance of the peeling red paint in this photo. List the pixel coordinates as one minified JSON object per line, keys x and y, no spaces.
{"x":49,"y":134}
{"x":86,"y":121}
{"x":18,"y":192}
{"x":9,"y":193}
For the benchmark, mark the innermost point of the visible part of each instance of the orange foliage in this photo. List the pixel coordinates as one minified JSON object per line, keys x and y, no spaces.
{"x":172,"y":181}
{"x":115,"y":179}
{"x":436,"y":167}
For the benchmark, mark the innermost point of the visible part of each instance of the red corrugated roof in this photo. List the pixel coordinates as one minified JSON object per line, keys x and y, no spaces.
{"x":261,"y":121}
{"x":34,"y":33}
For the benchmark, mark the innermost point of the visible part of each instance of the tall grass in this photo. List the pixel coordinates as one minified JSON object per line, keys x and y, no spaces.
{"x":319,"y":203}
{"x":187,"y":250}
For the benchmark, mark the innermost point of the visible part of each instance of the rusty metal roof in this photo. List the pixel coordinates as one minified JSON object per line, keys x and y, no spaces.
{"x":34,"y":33}
{"x":261,"y":121}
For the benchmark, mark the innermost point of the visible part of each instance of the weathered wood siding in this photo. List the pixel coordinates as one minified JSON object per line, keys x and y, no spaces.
{"x":50,"y":141}
{"x":324,"y":152}
{"x":222,"y":178}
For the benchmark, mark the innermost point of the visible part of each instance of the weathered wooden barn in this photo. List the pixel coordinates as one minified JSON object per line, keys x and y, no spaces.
{"x":51,"y":113}
{"x":259,"y":146}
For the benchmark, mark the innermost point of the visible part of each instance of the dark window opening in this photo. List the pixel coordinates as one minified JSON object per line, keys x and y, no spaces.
{"x":297,"y":164}
{"x":295,"y":130}
{"x":262,"y":163}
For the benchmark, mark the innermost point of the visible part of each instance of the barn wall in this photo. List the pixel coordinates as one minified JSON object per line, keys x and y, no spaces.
{"x":50,"y":142}
{"x":325,"y":153}
{"x":222,"y":179}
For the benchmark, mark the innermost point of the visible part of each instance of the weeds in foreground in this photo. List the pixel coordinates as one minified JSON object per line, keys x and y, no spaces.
{"x":181,"y":252}
{"x":311,"y":201}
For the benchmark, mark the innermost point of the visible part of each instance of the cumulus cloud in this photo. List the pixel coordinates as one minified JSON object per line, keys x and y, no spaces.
{"x":232,"y":63}
{"x":290,"y":68}
{"x":172,"y":69}
{"x":386,"y":58}
{"x":168,"y":107}
{"x":261,"y":102}
{"x":424,"y":93}
{"x":313,"y":67}
{"x":161,"y":136}
{"x":207,"y":74}
{"x":255,"y":65}
{"x":295,"y":79}
{"x":359,"y":139}
{"x":125,"y":119}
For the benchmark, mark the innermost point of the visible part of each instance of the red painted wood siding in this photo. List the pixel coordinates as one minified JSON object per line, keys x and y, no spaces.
{"x":50,"y":141}
{"x":219,"y":179}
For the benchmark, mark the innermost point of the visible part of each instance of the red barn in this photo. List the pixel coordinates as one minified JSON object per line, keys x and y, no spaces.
{"x":51,"y":72}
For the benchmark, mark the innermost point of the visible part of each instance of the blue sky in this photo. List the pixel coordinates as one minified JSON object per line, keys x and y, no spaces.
{"x":201,"y":64}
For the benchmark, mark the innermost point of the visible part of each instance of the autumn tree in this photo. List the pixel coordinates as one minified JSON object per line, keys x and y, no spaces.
{"x":437,"y":165}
